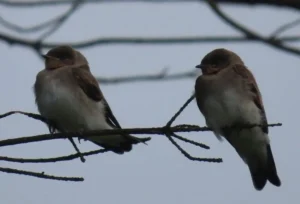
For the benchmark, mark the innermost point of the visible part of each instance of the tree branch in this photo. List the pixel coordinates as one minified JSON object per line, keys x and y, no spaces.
{"x":39,"y":175}
{"x":137,"y":41}
{"x":20,"y":29}
{"x":161,"y":76}
{"x":276,"y":43}
{"x":99,"y":133}
{"x":169,"y":133}
{"x":285,"y":27}
{"x":167,"y":130}
{"x":54,"y":159}
{"x":60,"y":20}
{"x":295,"y":4}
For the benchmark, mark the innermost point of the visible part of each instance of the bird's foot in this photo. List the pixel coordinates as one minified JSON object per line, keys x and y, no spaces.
{"x":51,"y":126}
{"x":80,"y":135}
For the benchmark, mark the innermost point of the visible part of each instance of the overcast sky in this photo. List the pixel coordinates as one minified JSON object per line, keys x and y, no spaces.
{"x":156,"y":173}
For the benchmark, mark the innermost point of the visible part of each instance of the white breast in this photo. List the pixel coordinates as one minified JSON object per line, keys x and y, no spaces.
{"x":229,"y":107}
{"x":71,"y":110}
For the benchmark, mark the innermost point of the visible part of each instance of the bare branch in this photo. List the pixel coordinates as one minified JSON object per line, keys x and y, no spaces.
{"x":187,"y":155}
{"x":21,"y":29}
{"x":82,"y":159}
{"x":31,"y":115}
{"x":189,"y":141}
{"x":137,"y":41}
{"x":59,"y":21}
{"x":295,"y":4}
{"x":54,"y":159}
{"x":285,"y":27}
{"x":39,"y":175}
{"x":180,"y":110}
{"x":41,"y":118}
{"x":167,"y":130}
{"x":169,"y":134}
{"x":247,"y":32}
{"x":161,"y":76}
{"x":99,"y":133}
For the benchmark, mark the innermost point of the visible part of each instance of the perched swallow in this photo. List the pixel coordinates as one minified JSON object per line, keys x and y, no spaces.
{"x":69,"y":96}
{"x":228,"y":96}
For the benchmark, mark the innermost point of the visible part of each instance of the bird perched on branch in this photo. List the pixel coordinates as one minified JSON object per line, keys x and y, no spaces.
{"x":228,"y":96}
{"x":69,"y":96}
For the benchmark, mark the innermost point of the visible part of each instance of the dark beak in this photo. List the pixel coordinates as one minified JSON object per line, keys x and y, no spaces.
{"x":199,"y":66}
{"x":202,"y":66}
{"x":45,"y":56}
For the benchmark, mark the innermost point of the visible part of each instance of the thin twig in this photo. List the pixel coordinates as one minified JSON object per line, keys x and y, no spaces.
{"x":35,"y":28}
{"x":54,"y":159}
{"x":77,"y":149}
{"x":61,"y":20}
{"x":161,"y":76}
{"x":180,"y":110}
{"x":188,"y":141}
{"x":247,"y":32}
{"x":285,"y":27}
{"x":187,"y":155}
{"x":39,"y":175}
{"x":31,"y":115}
{"x":169,"y":134}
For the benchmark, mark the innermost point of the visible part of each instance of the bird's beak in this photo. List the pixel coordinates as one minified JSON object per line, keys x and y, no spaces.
{"x":199,"y":66}
{"x":45,"y":56}
{"x":202,"y":66}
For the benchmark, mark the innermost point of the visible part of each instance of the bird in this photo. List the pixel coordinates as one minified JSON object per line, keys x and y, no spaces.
{"x":69,"y":97}
{"x":227,"y":95}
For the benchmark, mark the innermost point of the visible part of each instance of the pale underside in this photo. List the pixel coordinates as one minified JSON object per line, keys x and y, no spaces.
{"x":70,"y":109}
{"x":227,"y":105}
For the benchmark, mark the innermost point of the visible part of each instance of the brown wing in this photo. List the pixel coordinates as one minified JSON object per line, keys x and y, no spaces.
{"x":199,"y":92}
{"x":90,"y":87}
{"x":249,"y":79}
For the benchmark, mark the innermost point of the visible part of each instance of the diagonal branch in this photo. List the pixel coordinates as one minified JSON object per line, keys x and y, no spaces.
{"x":169,"y":134}
{"x":30,"y":115}
{"x":59,"y":21}
{"x":54,"y":159}
{"x":170,"y":122}
{"x":20,"y":29}
{"x":285,"y":27}
{"x":44,"y":120}
{"x":189,"y":141}
{"x":39,"y":175}
{"x":247,"y":32}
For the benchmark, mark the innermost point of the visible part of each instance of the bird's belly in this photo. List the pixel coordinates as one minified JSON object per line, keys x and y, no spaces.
{"x":70,"y":113}
{"x":229,"y":108}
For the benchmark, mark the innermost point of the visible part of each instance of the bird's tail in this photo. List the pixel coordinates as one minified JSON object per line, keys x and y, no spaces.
{"x":118,"y":143}
{"x":263,"y":170}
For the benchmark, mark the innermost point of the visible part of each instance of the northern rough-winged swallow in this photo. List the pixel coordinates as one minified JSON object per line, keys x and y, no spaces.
{"x":227,"y":95}
{"x":69,"y":96}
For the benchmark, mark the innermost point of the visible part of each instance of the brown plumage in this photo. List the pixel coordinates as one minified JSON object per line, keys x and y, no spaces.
{"x":227,"y":95}
{"x":69,"y":96}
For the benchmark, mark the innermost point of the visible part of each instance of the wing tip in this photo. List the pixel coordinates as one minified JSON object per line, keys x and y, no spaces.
{"x":261,"y":172}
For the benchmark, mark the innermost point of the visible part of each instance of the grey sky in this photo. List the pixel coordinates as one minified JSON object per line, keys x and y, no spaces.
{"x":156,"y":173}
